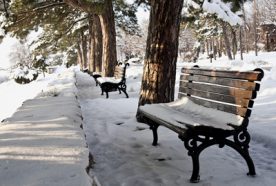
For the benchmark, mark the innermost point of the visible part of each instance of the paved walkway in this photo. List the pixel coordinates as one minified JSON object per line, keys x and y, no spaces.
{"x":42,"y":143}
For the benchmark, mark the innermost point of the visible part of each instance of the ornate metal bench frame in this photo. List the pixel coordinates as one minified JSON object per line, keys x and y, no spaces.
{"x":198,"y":138}
{"x":111,"y":86}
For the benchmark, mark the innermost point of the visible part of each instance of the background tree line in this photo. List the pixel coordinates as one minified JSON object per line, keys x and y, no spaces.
{"x":88,"y":32}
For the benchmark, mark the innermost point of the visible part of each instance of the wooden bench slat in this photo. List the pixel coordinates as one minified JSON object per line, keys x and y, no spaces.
{"x":229,"y":91}
{"x":241,"y":111}
{"x":248,"y":75}
{"x":246,"y":85}
{"x":218,"y":97}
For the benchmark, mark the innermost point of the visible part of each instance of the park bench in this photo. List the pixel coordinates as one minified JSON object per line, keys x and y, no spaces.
{"x":213,"y":108}
{"x":96,"y":75}
{"x":117,"y":82}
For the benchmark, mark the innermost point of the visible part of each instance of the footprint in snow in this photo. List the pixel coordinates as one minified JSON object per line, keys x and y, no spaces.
{"x":139,"y":128}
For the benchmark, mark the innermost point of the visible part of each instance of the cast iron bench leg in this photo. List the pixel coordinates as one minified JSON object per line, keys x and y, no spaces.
{"x":245,"y":154}
{"x":106,"y":93}
{"x":124,"y":91}
{"x":154,"y":128}
{"x":195,"y":175}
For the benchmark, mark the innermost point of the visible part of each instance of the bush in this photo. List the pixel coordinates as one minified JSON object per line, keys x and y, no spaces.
{"x":25,"y":75}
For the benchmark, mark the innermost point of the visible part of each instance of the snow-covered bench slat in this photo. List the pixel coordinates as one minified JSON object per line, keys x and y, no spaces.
{"x":212,"y":106}
{"x":117,"y":82}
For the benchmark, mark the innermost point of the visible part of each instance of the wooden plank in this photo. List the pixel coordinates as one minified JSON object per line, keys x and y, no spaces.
{"x":241,"y":111}
{"x":228,"y":91}
{"x":246,"y":75}
{"x":218,"y":97}
{"x":246,"y":85}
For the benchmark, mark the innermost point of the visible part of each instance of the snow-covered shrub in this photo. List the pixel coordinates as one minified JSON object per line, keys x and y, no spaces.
{"x":23,"y":75}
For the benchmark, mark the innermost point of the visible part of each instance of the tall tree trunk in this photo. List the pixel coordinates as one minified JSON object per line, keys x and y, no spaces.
{"x":98,"y":38}
{"x":158,"y":80}
{"x":80,"y":60}
{"x":219,"y":44}
{"x":83,"y":49}
{"x":91,"y":55}
{"x":109,"y":39}
{"x":255,"y":27}
{"x":234,"y":42}
{"x":215,"y":48}
{"x":241,"y":43}
{"x":226,"y":40}
{"x":95,"y":49}
{"x":207,"y":47}
{"x":244,"y":28}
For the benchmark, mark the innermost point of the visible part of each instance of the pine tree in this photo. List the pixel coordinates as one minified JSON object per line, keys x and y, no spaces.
{"x":71,"y":19}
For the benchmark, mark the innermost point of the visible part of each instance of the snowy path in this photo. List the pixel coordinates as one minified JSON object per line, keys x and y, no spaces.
{"x":42,"y":144}
{"x":123,"y":154}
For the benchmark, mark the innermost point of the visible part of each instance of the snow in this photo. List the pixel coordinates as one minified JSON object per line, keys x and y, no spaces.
{"x":42,"y":143}
{"x":222,"y":10}
{"x":45,"y":133}
{"x":24,"y":72}
{"x":184,"y":111}
{"x":12,"y":94}
{"x":6,"y":48}
{"x":4,"y":76}
{"x":108,"y":79}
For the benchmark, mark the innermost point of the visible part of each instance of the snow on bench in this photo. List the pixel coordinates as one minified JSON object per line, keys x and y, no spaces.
{"x":213,"y":105}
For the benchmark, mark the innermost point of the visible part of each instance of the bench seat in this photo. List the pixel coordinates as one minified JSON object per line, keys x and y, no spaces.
{"x":183,"y":113}
{"x":101,"y":80}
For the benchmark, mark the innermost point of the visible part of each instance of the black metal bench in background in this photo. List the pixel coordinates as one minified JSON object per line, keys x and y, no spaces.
{"x":117,"y":82}
{"x":214,"y":107}
{"x":96,"y":75}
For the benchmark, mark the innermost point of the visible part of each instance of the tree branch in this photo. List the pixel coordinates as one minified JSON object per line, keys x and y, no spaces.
{"x":43,"y":7}
{"x":48,"y":6}
{"x":86,"y":6}
{"x":72,"y":25}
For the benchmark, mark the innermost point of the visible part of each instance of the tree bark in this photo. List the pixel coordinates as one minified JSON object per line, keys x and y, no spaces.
{"x":105,"y":11}
{"x":109,"y":39}
{"x":98,"y":38}
{"x":80,"y":60}
{"x":158,"y":81}
{"x":226,"y":41}
{"x":244,"y":28}
{"x":234,"y":42}
{"x":95,"y":49}
{"x":241,"y":43}
{"x":83,"y":49}
{"x":91,"y":55}
{"x":255,"y":27}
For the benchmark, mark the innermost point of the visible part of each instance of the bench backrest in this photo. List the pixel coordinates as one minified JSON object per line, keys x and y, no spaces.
{"x":120,"y":71}
{"x":225,"y":90}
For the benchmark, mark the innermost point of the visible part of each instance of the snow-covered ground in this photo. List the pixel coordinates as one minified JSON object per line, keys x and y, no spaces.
{"x":121,"y":147}
{"x":12,"y":94}
{"x":43,"y":143}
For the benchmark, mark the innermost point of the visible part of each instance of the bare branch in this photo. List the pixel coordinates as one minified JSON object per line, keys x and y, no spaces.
{"x":48,"y":6}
